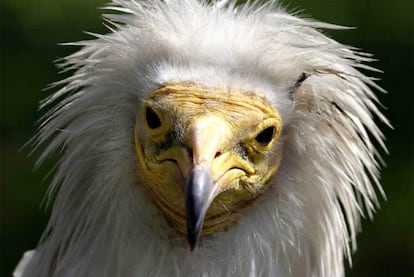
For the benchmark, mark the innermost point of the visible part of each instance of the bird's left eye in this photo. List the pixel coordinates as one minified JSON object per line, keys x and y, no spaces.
{"x":153,"y":120}
{"x":266,"y":136}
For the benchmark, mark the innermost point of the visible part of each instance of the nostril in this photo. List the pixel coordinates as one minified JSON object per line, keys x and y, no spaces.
{"x":190,"y":152}
{"x":218,"y":154}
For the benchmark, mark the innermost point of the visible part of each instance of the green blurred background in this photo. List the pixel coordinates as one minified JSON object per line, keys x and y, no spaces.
{"x":31,"y":29}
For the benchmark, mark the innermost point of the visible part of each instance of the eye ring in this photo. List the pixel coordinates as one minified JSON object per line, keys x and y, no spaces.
{"x":266,"y":133}
{"x":265,"y":137}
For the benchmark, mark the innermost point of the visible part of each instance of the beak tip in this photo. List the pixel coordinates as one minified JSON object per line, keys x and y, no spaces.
{"x":192,"y":237}
{"x":199,"y":188}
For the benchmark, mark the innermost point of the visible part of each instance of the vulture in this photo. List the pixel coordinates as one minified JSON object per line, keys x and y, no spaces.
{"x":208,"y":138}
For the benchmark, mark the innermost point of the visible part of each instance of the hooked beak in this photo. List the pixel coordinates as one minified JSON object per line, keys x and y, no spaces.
{"x":207,"y":136}
{"x":208,"y":169}
{"x":199,"y":193}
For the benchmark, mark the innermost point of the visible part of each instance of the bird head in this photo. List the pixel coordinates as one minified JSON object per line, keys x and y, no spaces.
{"x":241,"y":124}
{"x":206,"y":153}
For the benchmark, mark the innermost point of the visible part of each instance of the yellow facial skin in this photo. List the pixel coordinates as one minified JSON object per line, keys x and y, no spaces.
{"x":232,"y":134}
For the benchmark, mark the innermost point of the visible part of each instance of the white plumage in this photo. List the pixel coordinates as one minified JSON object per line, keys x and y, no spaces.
{"x":104,"y":224}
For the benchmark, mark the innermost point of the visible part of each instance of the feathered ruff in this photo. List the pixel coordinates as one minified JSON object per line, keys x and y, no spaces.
{"x":103,"y":222}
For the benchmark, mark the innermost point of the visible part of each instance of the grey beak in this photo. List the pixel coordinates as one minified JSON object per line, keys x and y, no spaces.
{"x":199,"y":189}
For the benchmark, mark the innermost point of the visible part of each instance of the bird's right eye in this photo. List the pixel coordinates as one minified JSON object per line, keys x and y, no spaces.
{"x":153,"y":120}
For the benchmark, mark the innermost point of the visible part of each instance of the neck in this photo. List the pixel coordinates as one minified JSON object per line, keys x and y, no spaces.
{"x":132,"y":240}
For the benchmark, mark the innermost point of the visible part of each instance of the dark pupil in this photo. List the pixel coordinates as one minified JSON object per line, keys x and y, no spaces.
{"x":266,"y":136}
{"x":153,"y":120}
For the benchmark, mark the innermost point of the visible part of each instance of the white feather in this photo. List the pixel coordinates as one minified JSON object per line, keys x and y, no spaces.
{"x":103,"y":223}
